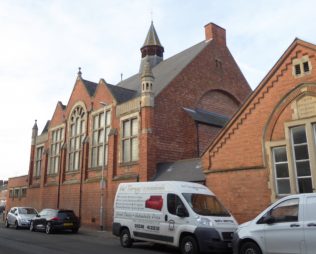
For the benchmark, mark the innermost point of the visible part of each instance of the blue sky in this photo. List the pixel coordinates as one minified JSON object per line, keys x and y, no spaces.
{"x":43,"y":42}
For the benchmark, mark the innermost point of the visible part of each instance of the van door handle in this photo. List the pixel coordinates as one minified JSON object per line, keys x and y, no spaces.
{"x":166,"y":217}
{"x":294,"y":225}
{"x":311,"y":225}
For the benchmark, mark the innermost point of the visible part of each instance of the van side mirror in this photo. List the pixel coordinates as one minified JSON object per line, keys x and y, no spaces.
{"x":181,"y":211}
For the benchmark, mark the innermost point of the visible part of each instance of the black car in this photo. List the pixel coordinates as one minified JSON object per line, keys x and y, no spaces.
{"x":52,"y":220}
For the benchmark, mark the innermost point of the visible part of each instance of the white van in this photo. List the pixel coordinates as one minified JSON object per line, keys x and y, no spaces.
{"x":287,"y":226}
{"x":181,"y":214}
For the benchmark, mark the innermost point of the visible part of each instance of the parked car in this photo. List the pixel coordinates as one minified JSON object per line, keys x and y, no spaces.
{"x":51,"y":220}
{"x":20,"y":217}
{"x":287,"y":226}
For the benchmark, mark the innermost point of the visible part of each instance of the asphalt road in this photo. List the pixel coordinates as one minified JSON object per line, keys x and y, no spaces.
{"x":86,"y":241}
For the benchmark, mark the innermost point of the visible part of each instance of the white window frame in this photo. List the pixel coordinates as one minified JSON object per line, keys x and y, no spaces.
{"x":303,"y":160}
{"x":76,"y":137}
{"x":122,"y":138}
{"x":96,"y":159}
{"x":275,"y":171}
{"x":38,"y":161}
{"x":55,"y":149}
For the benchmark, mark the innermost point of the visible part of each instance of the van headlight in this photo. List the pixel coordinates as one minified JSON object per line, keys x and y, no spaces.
{"x":204,"y":222}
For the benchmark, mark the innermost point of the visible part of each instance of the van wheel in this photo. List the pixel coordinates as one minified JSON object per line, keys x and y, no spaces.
{"x":125,"y":238}
{"x":189,"y":245}
{"x":250,"y":248}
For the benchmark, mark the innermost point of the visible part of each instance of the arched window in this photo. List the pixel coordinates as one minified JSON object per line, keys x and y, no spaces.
{"x":76,"y":136}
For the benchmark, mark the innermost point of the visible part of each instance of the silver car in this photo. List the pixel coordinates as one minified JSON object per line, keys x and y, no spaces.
{"x":20,"y":217}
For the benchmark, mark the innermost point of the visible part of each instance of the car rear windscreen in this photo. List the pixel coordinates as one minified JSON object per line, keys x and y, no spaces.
{"x":66,"y":215}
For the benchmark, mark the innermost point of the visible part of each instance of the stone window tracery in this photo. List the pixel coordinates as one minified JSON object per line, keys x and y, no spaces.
{"x":76,"y":137}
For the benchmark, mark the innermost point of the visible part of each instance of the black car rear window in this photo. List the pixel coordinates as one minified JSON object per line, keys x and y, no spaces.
{"x":66,"y":214}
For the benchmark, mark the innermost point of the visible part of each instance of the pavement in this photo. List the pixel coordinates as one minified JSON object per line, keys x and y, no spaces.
{"x":97,"y":233}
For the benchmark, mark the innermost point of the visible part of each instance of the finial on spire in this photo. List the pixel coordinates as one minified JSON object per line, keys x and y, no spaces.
{"x":152,"y":16}
{"x":79,"y":72}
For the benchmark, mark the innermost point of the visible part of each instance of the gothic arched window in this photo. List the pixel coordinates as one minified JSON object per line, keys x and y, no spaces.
{"x":76,"y":136}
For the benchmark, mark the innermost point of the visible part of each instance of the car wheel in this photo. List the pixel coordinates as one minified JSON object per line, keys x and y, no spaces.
{"x":48,"y":228}
{"x":189,"y":245}
{"x":16,"y":224}
{"x":75,"y":230}
{"x":32,"y":228}
{"x":250,"y":248}
{"x":7,"y":224}
{"x":125,"y":239}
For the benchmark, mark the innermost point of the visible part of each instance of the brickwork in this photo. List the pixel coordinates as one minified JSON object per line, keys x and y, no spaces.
{"x":244,"y":181}
{"x":211,"y":81}
{"x":219,"y":101}
{"x":16,"y":183}
{"x":240,"y":191}
{"x":206,"y":135}
{"x":192,"y":87}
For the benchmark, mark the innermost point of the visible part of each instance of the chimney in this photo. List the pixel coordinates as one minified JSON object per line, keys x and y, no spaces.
{"x":216,"y":33}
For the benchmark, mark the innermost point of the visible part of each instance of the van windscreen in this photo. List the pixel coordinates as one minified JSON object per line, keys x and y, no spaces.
{"x":206,"y":205}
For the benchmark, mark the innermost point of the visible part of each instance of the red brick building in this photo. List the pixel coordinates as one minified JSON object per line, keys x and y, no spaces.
{"x":171,"y":110}
{"x":268,"y":148}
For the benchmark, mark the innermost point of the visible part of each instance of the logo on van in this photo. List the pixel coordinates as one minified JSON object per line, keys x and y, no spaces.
{"x":154,"y":202}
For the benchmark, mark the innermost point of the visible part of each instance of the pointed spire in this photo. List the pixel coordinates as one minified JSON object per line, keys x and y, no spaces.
{"x":152,"y":50}
{"x":34,"y":132}
{"x":152,"y":37}
{"x":35,"y":126}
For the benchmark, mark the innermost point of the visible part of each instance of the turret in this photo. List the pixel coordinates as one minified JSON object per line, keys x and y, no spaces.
{"x":34,"y":133}
{"x":147,"y":83}
{"x":152,"y":51}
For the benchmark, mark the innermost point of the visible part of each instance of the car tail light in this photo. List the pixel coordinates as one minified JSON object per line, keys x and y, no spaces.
{"x":55,"y":219}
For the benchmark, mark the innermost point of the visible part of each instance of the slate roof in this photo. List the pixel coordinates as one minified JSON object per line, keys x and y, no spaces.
{"x":206,"y":117}
{"x":46,"y":127}
{"x":183,"y":170}
{"x":91,"y":86}
{"x":121,"y":94}
{"x":166,"y":70}
{"x":163,"y":73}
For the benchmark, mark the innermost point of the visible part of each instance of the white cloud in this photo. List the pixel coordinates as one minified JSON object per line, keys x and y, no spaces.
{"x":43,"y":42}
